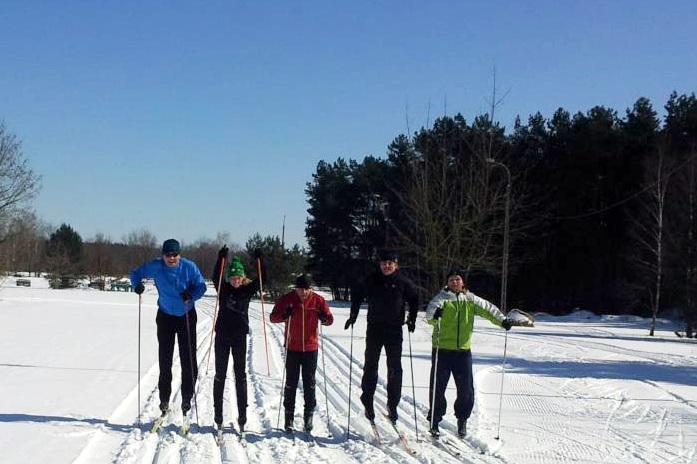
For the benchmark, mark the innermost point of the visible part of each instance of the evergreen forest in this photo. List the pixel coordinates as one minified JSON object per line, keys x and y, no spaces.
{"x":593,"y":210}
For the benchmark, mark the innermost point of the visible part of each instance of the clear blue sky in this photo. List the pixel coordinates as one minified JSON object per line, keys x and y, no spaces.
{"x":190,"y":119}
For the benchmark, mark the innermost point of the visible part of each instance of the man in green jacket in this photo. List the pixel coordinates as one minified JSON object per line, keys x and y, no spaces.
{"x":451,"y":313}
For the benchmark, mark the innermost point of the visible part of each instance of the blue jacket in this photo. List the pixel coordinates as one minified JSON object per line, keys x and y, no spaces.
{"x":171,"y":282}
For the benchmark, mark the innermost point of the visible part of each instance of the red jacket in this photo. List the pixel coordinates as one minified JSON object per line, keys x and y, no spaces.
{"x":301,"y":332}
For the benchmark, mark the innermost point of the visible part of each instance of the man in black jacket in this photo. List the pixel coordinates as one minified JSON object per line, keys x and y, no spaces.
{"x":387,"y":292}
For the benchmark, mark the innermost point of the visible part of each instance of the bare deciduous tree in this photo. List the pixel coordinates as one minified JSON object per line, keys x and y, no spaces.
{"x":142,"y":246}
{"x":452,"y":200}
{"x":18,"y":182}
{"x":649,"y":231}
{"x":23,"y":247}
{"x":99,"y":262}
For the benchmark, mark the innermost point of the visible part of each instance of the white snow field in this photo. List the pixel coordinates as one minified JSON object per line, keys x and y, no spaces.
{"x":576,"y":389}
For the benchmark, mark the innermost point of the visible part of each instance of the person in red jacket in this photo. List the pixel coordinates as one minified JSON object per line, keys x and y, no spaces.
{"x":301,"y":309}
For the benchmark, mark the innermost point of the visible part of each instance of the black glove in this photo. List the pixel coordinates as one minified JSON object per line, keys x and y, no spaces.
{"x":438,"y":313}
{"x":287,"y":312}
{"x":139,"y":289}
{"x":351,"y":320}
{"x":506,"y":324}
{"x":411,"y":324}
{"x":257,"y":254}
{"x":222,"y":254}
{"x":186,"y":296}
{"x":323,"y":318}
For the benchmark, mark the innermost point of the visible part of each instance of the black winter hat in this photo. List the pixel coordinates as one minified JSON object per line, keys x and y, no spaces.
{"x":388,"y":255}
{"x":455,"y":271}
{"x":303,"y":281}
{"x":171,"y":246}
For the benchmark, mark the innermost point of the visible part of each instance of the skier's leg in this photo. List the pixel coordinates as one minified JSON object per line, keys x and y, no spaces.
{"x":309,"y":368}
{"x":464,"y":384}
{"x":165,"y":343}
{"x":370,"y":374}
{"x":393,"y":352}
{"x":442,"y":378}
{"x":239,"y":360}
{"x":187,"y":355}
{"x":222,"y":355}
{"x":289,"y":389}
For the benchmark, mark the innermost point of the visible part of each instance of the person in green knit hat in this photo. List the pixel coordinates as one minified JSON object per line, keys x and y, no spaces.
{"x":451,"y":313}
{"x":231,"y":329}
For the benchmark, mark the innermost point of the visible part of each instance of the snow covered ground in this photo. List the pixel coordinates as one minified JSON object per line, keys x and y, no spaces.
{"x":580,"y":389}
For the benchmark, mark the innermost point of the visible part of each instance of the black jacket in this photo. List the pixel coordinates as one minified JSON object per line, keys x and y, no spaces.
{"x":233,"y":310}
{"x":387,"y":297}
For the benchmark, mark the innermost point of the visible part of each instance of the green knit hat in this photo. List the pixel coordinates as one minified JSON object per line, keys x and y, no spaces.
{"x":235,"y":268}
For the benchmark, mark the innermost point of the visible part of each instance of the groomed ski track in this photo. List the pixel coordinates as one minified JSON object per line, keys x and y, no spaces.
{"x":265,"y":443}
{"x":561,"y":399}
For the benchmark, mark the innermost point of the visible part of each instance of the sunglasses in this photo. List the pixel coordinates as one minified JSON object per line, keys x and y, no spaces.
{"x":171,"y":255}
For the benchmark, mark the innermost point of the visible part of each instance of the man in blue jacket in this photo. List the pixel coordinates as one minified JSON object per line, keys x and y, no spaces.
{"x":179,"y":284}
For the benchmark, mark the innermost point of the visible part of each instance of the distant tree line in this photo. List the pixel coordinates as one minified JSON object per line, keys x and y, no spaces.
{"x":65,"y":258}
{"x":27,"y":244}
{"x":603,"y":209}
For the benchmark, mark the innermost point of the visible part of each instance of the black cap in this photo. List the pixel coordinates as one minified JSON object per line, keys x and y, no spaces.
{"x":388,"y":255}
{"x":455,"y":271}
{"x":171,"y":246}
{"x":303,"y":281}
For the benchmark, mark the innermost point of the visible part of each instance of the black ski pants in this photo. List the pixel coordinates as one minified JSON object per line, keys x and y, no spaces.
{"x":391,"y":340}
{"x":224,"y":346}
{"x":183,"y":329}
{"x":459,"y":364}
{"x":297,"y":361}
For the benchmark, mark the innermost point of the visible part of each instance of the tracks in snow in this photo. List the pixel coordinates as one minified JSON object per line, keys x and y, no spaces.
{"x":264,"y":442}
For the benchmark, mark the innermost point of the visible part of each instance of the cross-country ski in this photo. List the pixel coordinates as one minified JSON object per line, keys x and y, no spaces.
{"x":157,"y":424}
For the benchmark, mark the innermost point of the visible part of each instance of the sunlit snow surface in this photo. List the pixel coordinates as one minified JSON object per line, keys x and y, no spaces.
{"x":579,"y":388}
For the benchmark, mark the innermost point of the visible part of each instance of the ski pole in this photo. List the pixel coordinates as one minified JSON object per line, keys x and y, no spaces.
{"x":348,"y":426}
{"x":215,"y":311}
{"x":283,"y":377}
{"x":324,"y":374}
{"x":263,"y":316}
{"x":433,"y":380}
{"x":140,"y":299}
{"x":413,"y":389}
{"x":192,"y":348}
{"x":503,"y":371}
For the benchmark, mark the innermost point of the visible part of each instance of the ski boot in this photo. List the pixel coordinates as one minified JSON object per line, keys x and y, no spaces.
{"x":308,"y":421}
{"x":461,"y":428}
{"x":288,"y":427}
